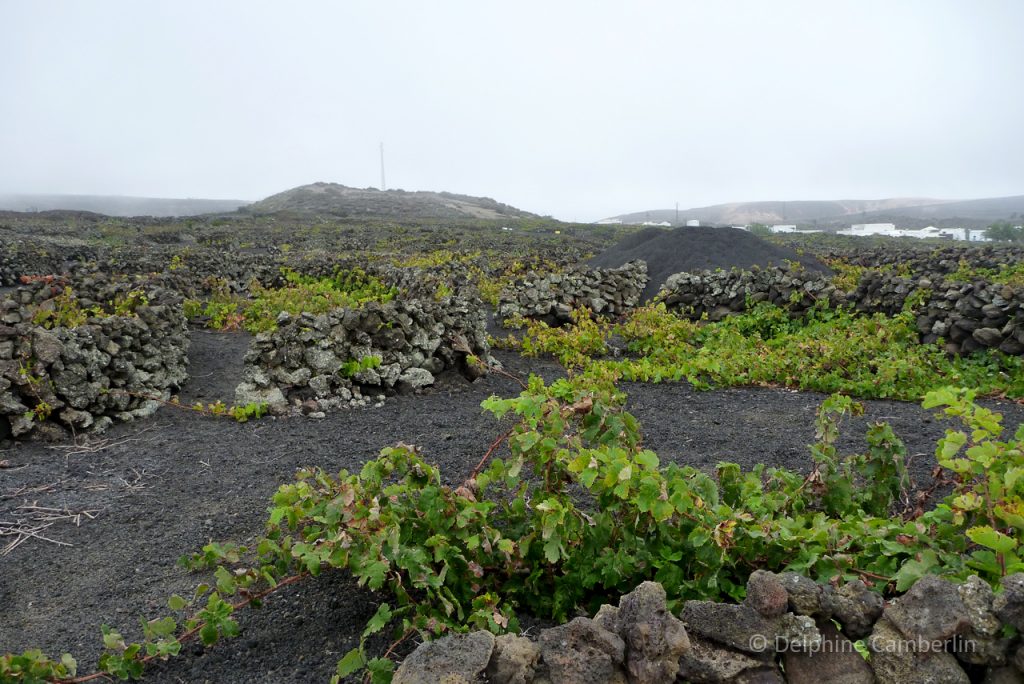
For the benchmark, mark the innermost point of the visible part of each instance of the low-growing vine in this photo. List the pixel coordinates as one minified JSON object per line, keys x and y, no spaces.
{"x":826,"y":350}
{"x":225,"y":310}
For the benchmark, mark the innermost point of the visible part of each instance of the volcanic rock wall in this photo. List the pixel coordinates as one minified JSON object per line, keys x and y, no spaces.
{"x":931,"y":260}
{"x":85,"y":377}
{"x":967,"y":316}
{"x":720,"y":293}
{"x":552,"y":297}
{"x":784,"y":631}
{"x":340,"y":357}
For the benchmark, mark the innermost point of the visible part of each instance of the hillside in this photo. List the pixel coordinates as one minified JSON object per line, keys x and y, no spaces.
{"x":114,"y":205}
{"x":984,"y":210}
{"x":840,"y":211}
{"x":339,"y":200}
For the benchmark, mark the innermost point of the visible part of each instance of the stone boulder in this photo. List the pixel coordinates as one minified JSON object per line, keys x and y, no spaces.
{"x":455,"y":659}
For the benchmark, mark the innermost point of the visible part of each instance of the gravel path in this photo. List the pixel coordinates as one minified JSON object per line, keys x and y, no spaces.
{"x":165,"y":486}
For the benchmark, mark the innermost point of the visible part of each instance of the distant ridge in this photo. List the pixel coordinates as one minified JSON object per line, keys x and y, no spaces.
{"x":839,"y":211}
{"x":116,"y":205}
{"x":340,"y":200}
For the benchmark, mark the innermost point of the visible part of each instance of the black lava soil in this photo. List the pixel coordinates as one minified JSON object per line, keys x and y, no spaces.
{"x":688,"y":250}
{"x":149,"y":492}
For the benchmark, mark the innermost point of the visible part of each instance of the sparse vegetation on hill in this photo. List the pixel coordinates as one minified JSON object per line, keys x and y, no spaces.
{"x":908,"y":212}
{"x":333,"y":199}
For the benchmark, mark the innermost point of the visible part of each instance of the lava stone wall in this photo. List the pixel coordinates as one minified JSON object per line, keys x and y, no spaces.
{"x":720,"y":293}
{"x":304,"y":360}
{"x":784,"y":631}
{"x":967,"y":316}
{"x":928,"y":260}
{"x":552,"y":297}
{"x":37,"y":257}
{"x":92,"y":374}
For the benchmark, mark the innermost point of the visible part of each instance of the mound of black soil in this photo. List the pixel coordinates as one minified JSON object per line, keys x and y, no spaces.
{"x":696,"y":249}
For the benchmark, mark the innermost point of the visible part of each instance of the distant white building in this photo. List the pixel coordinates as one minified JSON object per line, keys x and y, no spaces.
{"x":693,"y":223}
{"x":782,"y":228}
{"x":864,"y":229}
{"x":660,"y":224}
{"x":608,"y":222}
{"x":890,"y":230}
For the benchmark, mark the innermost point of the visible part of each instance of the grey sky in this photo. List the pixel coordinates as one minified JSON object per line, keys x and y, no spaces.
{"x":575,"y":109}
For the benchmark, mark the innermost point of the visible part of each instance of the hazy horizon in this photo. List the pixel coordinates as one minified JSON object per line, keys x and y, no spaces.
{"x":580,"y":110}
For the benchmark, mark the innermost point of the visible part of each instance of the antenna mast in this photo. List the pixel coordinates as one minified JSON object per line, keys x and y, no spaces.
{"x":382,"y":184}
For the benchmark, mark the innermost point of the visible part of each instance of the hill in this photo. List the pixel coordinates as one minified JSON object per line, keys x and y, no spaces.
{"x":115,"y":205}
{"x":979,"y":210}
{"x":840,"y":212}
{"x":339,"y":200}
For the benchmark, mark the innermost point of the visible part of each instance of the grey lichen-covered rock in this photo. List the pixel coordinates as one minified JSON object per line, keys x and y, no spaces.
{"x":457,"y":659}
{"x":796,"y":632}
{"x":835,"y":661}
{"x":806,"y":597}
{"x":608,"y":618}
{"x":248,"y":393}
{"x":983,"y":643}
{"x":581,"y":652}
{"x":655,"y":639}
{"x":856,"y":608}
{"x":739,"y":627}
{"x":416,"y":378}
{"x":514,"y":660}
{"x":322,"y":361}
{"x":80,"y":420}
{"x":742,"y":628}
{"x":931,"y":611}
{"x":295,"y":378}
{"x":898,"y":660}
{"x":988,"y":337}
{"x":46,"y":347}
{"x":709,"y":663}
{"x":1008,"y":605}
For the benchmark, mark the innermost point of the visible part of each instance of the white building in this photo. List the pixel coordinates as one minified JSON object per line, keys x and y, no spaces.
{"x":864,"y":229}
{"x":693,"y":223}
{"x":890,"y":230}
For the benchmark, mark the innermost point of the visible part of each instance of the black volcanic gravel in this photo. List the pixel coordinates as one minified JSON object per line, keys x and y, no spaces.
{"x":680,"y":250}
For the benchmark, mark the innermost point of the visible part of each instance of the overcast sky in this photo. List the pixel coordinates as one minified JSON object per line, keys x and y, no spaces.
{"x":575,"y":109}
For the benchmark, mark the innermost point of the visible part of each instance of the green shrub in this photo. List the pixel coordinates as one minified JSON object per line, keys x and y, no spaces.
{"x":346,"y":289}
